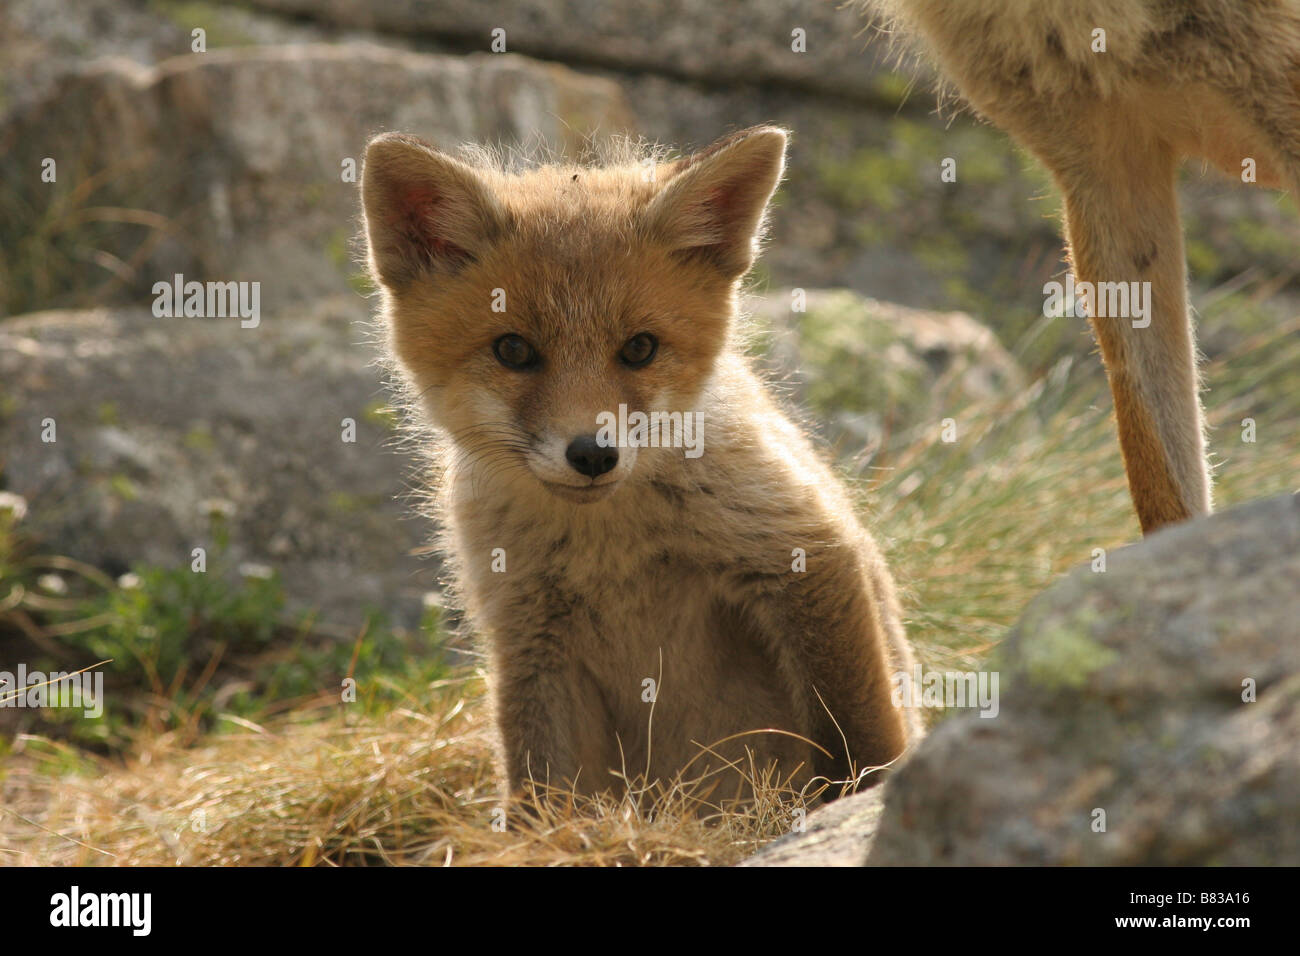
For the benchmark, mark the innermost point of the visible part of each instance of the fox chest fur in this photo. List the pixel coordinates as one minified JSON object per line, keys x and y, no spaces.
{"x":645,"y":621}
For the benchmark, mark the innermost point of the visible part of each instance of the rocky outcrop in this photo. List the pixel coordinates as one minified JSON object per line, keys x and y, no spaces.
{"x":813,"y":46}
{"x":162,"y":425}
{"x":242,"y":164}
{"x":1148,"y":716}
{"x":863,"y":205}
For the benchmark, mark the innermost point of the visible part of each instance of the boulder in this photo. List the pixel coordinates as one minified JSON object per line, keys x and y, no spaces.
{"x":757,"y":44}
{"x":1161,"y":698}
{"x":162,"y":426}
{"x":863,"y":205}
{"x":868,"y":369}
{"x":241,"y":164}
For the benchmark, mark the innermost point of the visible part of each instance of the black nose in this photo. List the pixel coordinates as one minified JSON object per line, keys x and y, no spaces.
{"x":589,"y":457}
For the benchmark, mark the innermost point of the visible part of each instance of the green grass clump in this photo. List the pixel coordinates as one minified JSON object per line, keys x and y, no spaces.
{"x":1034,"y":483}
{"x":182,"y":650}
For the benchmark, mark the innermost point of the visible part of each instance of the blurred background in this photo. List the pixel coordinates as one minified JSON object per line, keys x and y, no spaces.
{"x":221,"y":141}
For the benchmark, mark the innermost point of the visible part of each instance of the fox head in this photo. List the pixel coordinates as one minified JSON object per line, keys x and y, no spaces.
{"x":522,"y":306}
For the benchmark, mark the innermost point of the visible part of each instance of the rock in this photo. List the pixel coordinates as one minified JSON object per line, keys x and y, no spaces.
{"x":838,"y":834}
{"x":40,"y":41}
{"x":864,"y":205}
{"x":232,"y":164}
{"x":866,"y":367}
{"x":756,"y":44}
{"x":1123,"y":692}
{"x":162,"y":423}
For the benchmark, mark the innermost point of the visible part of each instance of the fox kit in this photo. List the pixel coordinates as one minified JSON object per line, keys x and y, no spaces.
{"x":636,"y":603}
{"x":1111,"y":95}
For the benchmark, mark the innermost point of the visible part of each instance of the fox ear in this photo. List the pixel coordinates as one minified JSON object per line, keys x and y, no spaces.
{"x":425,"y":212}
{"x":712,"y":205}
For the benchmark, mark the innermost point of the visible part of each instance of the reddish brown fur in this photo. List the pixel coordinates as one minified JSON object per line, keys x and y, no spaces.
{"x":670,"y":568}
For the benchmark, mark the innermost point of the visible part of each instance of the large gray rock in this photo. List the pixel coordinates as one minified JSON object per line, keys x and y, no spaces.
{"x":693,"y":39}
{"x":229,"y":165}
{"x":160,"y":422}
{"x":864,"y":205}
{"x":868,"y":369}
{"x":1121,"y":693}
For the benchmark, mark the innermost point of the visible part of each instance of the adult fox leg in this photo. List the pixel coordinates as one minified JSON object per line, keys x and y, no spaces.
{"x":1122,"y":225}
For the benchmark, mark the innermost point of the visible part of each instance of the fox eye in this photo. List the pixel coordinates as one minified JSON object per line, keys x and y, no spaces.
{"x":514,"y":352}
{"x":639,"y":350}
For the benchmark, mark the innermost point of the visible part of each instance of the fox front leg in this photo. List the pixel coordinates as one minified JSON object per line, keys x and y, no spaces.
{"x":826,"y":630}
{"x":533,"y":715}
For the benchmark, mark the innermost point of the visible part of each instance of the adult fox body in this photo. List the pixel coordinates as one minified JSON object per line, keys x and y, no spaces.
{"x":644,"y":612}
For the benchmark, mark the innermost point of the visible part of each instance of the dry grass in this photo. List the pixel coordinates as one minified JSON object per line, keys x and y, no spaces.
{"x":404,"y":788}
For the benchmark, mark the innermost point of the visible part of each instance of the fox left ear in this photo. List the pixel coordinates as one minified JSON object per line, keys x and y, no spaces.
{"x":426,"y":214}
{"x":712,"y":205}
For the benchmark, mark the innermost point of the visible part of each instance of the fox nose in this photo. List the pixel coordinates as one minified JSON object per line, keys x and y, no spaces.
{"x":589,"y":457}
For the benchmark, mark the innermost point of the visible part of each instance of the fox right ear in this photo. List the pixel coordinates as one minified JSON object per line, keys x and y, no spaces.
{"x":713,"y":205}
{"x":425,"y":212}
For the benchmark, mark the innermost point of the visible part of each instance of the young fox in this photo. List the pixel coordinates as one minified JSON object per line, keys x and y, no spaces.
{"x":637,"y":603}
{"x":1111,"y":95}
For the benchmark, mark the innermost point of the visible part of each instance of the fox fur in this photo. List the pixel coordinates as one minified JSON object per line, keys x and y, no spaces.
{"x":674,"y":570}
{"x":1212,"y":79}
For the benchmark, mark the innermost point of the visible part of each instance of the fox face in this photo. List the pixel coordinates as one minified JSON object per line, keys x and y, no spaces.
{"x":525,"y":309}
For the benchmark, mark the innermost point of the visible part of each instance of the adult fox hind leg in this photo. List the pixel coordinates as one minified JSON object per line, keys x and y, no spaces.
{"x":1122,"y":226}
{"x":1119,"y":184}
